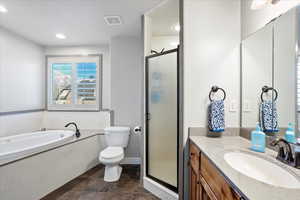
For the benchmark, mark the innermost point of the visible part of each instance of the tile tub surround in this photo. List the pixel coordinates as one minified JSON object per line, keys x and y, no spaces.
{"x":85,"y":133}
{"x":35,"y":176}
{"x":91,"y":186}
{"x":215,"y":148}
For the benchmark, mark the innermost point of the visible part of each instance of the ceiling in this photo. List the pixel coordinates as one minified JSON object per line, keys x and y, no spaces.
{"x":82,"y":21}
{"x":164,"y":18}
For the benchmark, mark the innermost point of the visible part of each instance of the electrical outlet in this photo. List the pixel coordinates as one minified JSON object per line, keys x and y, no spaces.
{"x":247,"y":106}
{"x":233,"y":106}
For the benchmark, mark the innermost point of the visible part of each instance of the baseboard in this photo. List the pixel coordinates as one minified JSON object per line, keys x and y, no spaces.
{"x":158,"y":190}
{"x":131,"y":161}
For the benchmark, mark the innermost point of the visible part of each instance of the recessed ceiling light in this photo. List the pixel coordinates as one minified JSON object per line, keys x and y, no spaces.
{"x":3,"y":9}
{"x":177,"y":27}
{"x":259,"y":4}
{"x":174,"y":43}
{"x":60,"y":36}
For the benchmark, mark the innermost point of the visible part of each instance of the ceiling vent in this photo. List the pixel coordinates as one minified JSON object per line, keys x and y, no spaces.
{"x":113,"y":20}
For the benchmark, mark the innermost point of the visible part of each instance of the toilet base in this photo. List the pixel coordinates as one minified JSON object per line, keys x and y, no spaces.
{"x":112,"y":173}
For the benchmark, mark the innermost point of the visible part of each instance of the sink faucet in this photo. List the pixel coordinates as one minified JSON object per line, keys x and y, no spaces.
{"x":77,"y":133}
{"x":288,"y":153}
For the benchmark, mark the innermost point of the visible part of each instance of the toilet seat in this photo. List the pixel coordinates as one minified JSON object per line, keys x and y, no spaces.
{"x":112,"y":153}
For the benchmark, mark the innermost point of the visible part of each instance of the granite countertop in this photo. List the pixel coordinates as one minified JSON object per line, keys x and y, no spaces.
{"x":215,"y":148}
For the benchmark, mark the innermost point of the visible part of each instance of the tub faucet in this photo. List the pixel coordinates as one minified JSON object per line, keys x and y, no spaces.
{"x":77,"y":133}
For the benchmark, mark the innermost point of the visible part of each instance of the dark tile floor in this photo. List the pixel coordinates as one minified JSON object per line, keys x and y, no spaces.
{"x":91,"y":186}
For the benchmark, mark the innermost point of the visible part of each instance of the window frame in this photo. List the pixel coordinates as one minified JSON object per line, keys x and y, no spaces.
{"x":74,"y":107}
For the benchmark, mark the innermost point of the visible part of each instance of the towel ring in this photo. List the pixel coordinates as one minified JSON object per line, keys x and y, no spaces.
{"x":266,"y":89}
{"x":215,"y":89}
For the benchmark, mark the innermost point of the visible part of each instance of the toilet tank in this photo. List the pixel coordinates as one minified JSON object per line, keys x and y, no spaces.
{"x":117,"y":136}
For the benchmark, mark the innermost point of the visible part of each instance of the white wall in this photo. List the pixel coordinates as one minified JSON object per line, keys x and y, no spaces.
{"x":22,"y":83}
{"x":147,"y":34}
{"x":166,"y":42}
{"x":253,"y":20}
{"x":211,"y":56}
{"x":20,"y":123}
{"x":22,"y":72}
{"x":17,"y":56}
{"x":84,"y":50}
{"x":85,"y":120}
{"x":126,"y":83}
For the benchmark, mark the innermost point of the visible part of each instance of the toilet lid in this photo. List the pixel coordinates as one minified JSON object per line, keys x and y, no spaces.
{"x":112,"y":152}
{"x":117,"y":129}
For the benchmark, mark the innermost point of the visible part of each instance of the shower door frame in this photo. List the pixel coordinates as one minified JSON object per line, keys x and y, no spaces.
{"x":176,"y":50}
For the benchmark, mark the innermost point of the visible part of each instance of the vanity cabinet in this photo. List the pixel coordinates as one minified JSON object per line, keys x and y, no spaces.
{"x":206,"y":181}
{"x":194,"y":162}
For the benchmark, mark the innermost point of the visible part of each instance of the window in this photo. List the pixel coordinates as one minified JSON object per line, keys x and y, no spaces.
{"x":73,"y":83}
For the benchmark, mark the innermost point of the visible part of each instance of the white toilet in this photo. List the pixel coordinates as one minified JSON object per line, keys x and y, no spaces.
{"x":116,"y":140}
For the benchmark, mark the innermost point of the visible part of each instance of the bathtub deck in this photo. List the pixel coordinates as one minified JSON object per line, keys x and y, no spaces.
{"x":91,"y":186}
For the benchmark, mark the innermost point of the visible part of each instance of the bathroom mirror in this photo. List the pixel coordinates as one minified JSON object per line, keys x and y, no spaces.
{"x":256,"y":73}
{"x":284,"y":68}
{"x":269,"y":58}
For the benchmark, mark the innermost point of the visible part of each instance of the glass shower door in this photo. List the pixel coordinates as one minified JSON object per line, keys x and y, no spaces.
{"x":162,"y":118}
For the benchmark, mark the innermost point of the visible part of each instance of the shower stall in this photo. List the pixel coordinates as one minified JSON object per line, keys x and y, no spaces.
{"x":162,"y":118}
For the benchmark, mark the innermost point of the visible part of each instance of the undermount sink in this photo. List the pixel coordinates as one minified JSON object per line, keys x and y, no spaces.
{"x":261,"y":170}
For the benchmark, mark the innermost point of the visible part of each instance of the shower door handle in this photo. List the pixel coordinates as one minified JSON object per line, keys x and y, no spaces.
{"x":137,"y":129}
{"x":148,"y":116}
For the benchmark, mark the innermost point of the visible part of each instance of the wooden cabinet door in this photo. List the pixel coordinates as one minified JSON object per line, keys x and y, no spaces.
{"x":194,"y":160}
{"x":206,"y":182}
{"x":215,"y":181}
{"x":205,"y":191}
{"x":202,"y":193}
{"x":194,"y":184}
